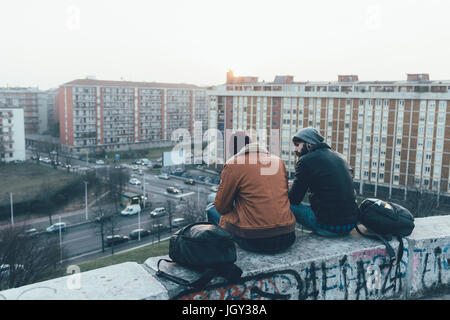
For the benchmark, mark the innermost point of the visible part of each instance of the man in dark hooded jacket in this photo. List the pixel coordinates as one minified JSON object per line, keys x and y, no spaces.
{"x":326,"y":174}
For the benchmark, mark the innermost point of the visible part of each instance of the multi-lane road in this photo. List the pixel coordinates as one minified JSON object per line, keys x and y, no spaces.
{"x":85,"y":238}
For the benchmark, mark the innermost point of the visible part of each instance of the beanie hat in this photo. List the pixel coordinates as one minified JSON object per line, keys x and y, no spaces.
{"x":308,"y":135}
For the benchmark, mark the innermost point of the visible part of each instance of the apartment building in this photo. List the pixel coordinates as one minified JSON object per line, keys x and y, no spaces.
{"x":395,"y":134}
{"x":12,"y":133}
{"x":118,"y":115}
{"x":35,"y":103}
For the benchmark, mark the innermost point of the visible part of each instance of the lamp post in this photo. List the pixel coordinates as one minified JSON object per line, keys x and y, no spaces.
{"x":12,"y":209}
{"x":86,"y":199}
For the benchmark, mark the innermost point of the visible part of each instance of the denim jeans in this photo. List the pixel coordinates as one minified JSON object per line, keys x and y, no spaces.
{"x":266,"y":245}
{"x":306,"y":217}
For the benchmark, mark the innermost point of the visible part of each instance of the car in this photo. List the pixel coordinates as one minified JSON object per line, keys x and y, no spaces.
{"x":159,"y":227}
{"x":31,"y":232}
{"x":164,"y":176}
{"x":173,"y":190}
{"x":135,"y":233}
{"x":6,"y":270}
{"x":156,"y":166}
{"x":158,"y":212}
{"x":178,"y":222}
{"x":99,"y":162}
{"x":55,"y":227}
{"x":103,"y":218}
{"x":190,"y":181}
{"x":135,"y":181}
{"x":116,"y":239}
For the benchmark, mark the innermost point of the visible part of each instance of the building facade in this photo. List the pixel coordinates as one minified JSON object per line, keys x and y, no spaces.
{"x":395,"y":134}
{"x":35,"y":104}
{"x":116,"y":115}
{"x":12,"y":133}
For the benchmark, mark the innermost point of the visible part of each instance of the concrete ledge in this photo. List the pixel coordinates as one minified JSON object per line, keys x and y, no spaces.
{"x":126,"y":281}
{"x":429,"y":252}
{"x":313,"y":268}
{"x":351,"y":267}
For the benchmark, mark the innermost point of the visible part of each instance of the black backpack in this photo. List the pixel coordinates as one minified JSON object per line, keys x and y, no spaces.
{"x":206,"y":248}
{"x":385,"y":220}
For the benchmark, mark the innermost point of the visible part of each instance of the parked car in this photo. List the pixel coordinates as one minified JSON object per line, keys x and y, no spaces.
{"x":131,"y":210}
{"x":135,"y":233}
{"x":115,"y":239}
{"x":159,"y":227}
{"x":135,"y":181}
{"x":99,"y":162}
{"x":178,"y":222}
{"x":156,"y":165}
{"x":173,"y":190}
{"x":190,"y":181}
{"x":55,"y":227}
{"x":158,"y":212}
{"x":164,"y":176}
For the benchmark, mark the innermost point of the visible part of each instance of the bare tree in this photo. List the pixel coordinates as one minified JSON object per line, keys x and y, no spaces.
{"x":421,"y":202}
{"x":45,"y":198}
{"x":193,"y":212}
{"x":115,"y":186}
{"x":170,"y":208}
{"x":26,"y":259}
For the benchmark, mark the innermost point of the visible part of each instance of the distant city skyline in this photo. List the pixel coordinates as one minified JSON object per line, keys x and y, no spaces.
{"x":48,"y":43}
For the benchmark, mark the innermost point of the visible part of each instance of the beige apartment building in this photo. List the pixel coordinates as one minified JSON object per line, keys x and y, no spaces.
{"x":395,"y":134}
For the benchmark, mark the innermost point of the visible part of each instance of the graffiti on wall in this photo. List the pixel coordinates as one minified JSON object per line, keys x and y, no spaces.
{"x":362,"y":275}
{"x":431,"y":267}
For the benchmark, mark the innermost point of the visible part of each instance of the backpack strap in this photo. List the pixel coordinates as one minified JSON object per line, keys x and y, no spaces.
{"x":376,"y":236}
{"x":231,"y":272}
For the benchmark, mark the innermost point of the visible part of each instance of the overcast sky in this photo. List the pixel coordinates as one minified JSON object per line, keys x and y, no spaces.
{"x":49,"y":42}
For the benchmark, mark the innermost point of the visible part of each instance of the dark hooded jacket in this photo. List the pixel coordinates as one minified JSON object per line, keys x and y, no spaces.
{"x":326,"y":174}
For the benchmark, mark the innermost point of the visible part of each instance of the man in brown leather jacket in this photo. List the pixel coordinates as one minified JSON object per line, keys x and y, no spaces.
{"x":252,"y":201}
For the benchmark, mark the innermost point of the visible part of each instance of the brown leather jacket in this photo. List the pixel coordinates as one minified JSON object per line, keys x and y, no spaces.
{"x":253,"y":195}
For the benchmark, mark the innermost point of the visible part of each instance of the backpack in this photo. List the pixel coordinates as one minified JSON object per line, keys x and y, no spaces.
{"x":203,"y":247}
{"x":385,"y":220}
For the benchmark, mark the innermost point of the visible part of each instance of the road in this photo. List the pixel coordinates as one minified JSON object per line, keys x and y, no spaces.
{"x":83,"y":237}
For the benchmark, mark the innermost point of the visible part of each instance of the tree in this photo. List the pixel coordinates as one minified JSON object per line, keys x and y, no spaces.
{"x":26,"y":259}
{"x":115,"y":185}
{"x":193,"y":212}
{"x":170,"y":208}
{"x":45,"y":198}
{"x":421,"y":202}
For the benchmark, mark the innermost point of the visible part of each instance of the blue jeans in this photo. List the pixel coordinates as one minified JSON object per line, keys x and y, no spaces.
{"x":306,"y":217}
{"x":266,"y":245}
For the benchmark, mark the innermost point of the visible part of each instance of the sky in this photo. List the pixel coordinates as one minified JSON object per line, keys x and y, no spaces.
{"x":47,"y":43}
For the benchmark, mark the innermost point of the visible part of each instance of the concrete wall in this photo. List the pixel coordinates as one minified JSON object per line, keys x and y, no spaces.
{"x":351,"y":267}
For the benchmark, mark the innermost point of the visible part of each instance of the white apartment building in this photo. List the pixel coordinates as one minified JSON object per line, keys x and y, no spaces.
{"x":12,"y":133}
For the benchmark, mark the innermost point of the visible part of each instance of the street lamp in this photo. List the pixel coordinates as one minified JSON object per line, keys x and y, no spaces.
{"x":86,"y":198}
{"x":12,"y":209}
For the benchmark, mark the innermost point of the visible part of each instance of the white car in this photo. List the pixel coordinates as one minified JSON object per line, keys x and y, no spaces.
{"x":158,"y":212}
{"x":178,"y":222}
{"x":164,"y":176}
{"x":55,"y":227}
{"x":135,"y":181}
{"x":99,"y":162}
